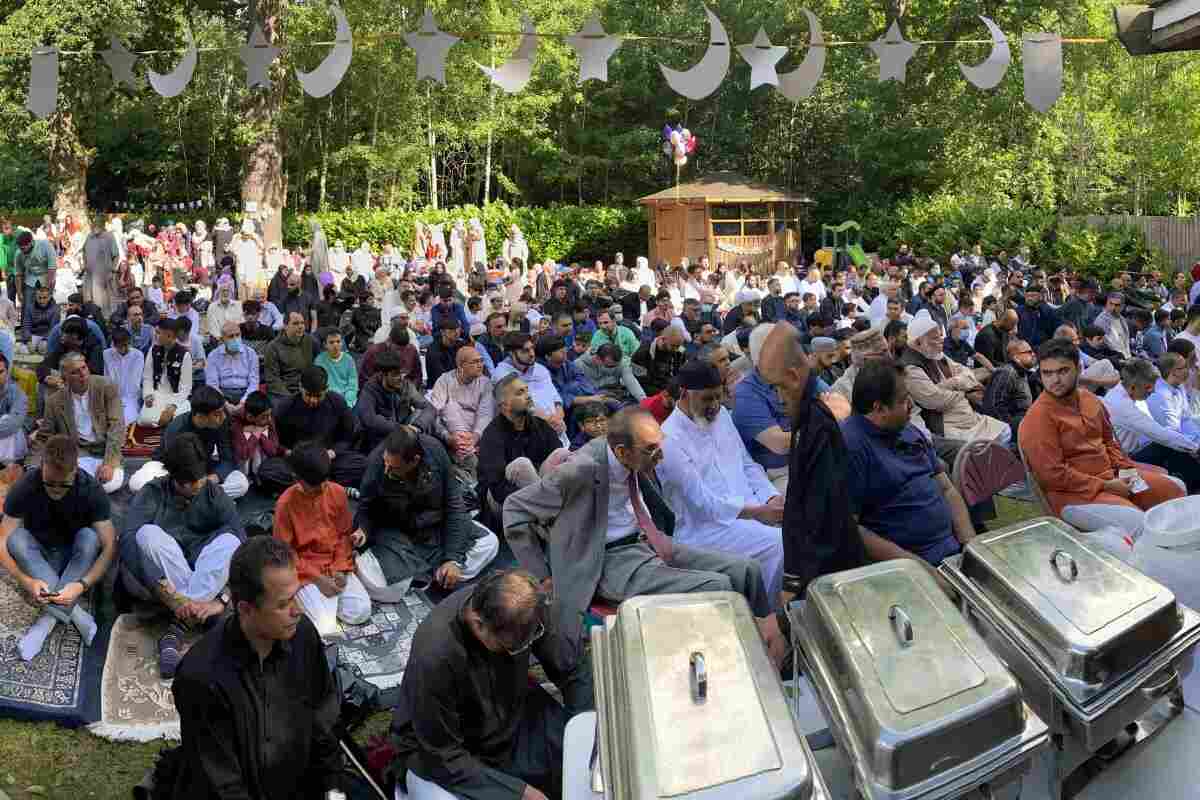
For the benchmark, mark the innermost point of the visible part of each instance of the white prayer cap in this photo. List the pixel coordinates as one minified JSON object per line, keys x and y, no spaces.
{"x":921,"y":324}
{"x":758,"y":338}
{"x":823,"y":344}
{"x":747,"y":296}
{"x":247,"y":226}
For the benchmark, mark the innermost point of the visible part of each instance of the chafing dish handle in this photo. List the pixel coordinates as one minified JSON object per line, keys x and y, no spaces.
{"x":902,"y":624}
{"x":698,"y":677}
{"x":1070,"y":560}
{"x":1164,"y":688}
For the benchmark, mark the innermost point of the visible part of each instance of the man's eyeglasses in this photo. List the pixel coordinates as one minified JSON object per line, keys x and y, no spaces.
{"x":538,"y":633}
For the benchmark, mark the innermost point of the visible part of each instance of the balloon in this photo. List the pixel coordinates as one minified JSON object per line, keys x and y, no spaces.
{"x":675,"y":138}
{"x":691,"y":145}
{"x":680,"y":160}
{"x":686,"y":134}
{"x":666,"y":132}
{"x":667,"y":149}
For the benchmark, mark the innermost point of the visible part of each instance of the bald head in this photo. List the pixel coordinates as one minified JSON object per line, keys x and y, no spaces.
{"x":1010,"y":320}
{"x":230,"y":330}
{"x":672,"y":336}
{"x":783,"y":363}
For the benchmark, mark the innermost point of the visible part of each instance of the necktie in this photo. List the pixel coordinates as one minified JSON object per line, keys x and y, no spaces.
{"x":661,"y":543}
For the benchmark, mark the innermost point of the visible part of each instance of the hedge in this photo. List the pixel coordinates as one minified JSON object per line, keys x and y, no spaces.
{"x":559,"y":233}
{"x":937,"y":226}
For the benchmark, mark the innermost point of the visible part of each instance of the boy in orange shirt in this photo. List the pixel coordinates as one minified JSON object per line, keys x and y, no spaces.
{"x":313,"y":516}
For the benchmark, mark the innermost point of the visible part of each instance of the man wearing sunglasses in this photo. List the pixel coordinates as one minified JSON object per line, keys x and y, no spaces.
{"x":57,"y":539}
{"x":468,"y":719}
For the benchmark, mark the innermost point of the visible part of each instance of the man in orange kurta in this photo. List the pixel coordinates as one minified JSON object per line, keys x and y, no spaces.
{"x":313,"y":516}
{"x":1068,"y":441}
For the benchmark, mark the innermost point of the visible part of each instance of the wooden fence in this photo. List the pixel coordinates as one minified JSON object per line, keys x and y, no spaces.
{"x":1177,"y":237}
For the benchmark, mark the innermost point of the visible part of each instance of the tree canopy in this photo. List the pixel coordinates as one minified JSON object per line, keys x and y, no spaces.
{"x":1123,"y":137}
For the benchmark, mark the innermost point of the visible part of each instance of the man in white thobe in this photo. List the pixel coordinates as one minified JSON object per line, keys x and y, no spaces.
{"x":123,"y":367}
{"x":721,"y":497}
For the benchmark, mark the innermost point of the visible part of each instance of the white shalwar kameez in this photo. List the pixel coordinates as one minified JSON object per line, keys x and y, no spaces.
{"x":708,"y":477}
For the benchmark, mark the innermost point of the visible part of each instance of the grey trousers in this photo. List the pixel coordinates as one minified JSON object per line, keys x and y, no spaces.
{"x":635,"y":570}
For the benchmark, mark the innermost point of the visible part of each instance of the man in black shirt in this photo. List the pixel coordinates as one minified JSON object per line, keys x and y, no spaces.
{"x":514,"y":445}
{"x":256,"y":700}
{"x":319,"y":415}
{"x":440,"y":357}
{"x":468,"y":719}
{"x":819,"y":532}
{"x":299,"y":302}
{"x":415,"y":519}
{"x":57,"y":540}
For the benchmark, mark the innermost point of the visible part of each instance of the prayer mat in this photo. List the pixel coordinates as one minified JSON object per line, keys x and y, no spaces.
{"x":141,"y":441}
{"x":62,"y":683}
{"x":135,"y":703}
{"x":380,"y":646}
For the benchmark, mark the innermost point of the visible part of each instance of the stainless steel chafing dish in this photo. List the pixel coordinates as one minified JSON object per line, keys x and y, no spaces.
{"x":689,"y":706}
{"x":1094,"y":643}
{"x":916,"y":701}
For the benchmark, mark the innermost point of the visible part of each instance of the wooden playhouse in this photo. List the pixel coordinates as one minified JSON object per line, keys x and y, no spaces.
{"x":727,"y":217}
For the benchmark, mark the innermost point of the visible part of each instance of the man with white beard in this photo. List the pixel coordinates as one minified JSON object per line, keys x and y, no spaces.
{"x":721,"y":497}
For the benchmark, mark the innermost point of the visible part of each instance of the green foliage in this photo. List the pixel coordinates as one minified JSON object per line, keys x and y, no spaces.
{"x":937,"y":226}
{"x":559,"y":233}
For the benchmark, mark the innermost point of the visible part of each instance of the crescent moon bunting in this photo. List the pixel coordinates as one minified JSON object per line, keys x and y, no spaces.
{"x":175,"y":81}
{"x":705,"y":77}
{"x":989,"y":74}
{"x":513,"y":75}
{"x":329,"y":73}
{"x":800,"y":82}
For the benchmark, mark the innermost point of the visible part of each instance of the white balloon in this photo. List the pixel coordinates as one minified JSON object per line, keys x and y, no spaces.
{"x":675,"y":138}
{"x":680,"y":160}
{"x":685,"y":135}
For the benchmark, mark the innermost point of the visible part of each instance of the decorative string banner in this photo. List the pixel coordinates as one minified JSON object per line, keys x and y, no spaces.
{"x":1041,"y":54}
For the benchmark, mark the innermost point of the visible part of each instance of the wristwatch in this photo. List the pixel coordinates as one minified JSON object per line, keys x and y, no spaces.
{"x":84,"y":583}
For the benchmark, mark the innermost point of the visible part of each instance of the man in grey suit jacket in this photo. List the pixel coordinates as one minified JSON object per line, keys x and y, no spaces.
{"x":598,"y":541}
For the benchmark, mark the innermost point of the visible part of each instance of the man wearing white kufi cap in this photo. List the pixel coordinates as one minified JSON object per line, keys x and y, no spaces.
{"x":943,"y":388}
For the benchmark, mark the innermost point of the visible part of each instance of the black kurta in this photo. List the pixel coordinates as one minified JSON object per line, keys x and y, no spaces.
{"x":256,"y":729}
{"x":819,"y":532}
{"x":467,"y":718}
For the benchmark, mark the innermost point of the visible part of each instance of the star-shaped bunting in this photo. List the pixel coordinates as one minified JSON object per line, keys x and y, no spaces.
{"x":594,"y":48}
{"x":762,"y":56}
{"x":893,"y":53}
{"x":432,"y":46}
{"x":257,"y":55}
{"x":120,"y":62}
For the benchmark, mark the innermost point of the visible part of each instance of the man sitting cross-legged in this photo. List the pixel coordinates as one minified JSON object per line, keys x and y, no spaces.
{"x":414,"y":519}
{"x":611,"y":532}
{"x":721,"y":495}
{"x":1068,"y":440}
{"x":313,"y":516}
{"x":209,"y":421}
{"x":180,"y":532}
{"x":57,"y":540}
{"x":515,"y":445}
{"x":88,"y":409}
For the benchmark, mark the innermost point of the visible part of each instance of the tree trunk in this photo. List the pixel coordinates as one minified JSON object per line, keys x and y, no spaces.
{"x":487,"y":168}
{"x":69,"y":161}
{"x":264,"y":183}
{"x":323,"y":131}
{"x":433,"y":172}
{"x":374,"y":139}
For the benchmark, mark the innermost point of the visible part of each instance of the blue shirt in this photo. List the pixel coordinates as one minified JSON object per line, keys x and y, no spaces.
{"x":143,"y":339}
{"x":757,"y":408}
{"x":1154,"y":340}
{"x":56,"y":332}
{"x":269,"y":315}
{"x":892,"y":489}
{"x":233,"y":372}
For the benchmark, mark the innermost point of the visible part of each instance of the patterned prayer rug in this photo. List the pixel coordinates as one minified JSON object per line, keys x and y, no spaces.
{"x":141,"y":440}
{"x":136,"y":704}
{"x":62,"y":682}
{"x":381,"y":645}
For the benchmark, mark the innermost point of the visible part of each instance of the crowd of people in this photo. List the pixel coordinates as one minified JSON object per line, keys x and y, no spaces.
{"x":626,"y":429}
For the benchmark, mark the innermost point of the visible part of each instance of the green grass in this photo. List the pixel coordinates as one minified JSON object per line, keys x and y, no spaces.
{"x":45,"y":761}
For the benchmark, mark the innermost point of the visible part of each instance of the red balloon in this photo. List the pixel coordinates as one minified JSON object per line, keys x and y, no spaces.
{"x":691,"y":145}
